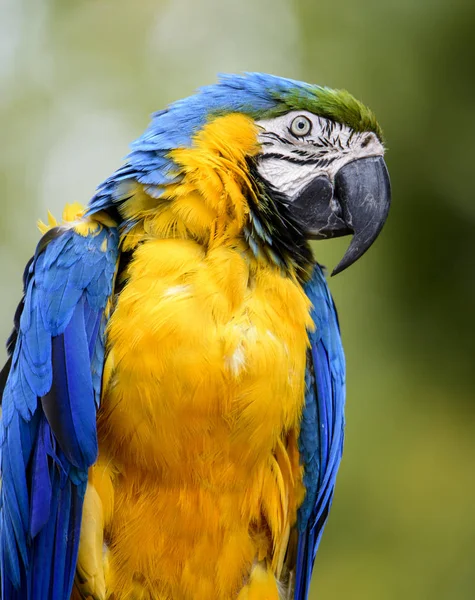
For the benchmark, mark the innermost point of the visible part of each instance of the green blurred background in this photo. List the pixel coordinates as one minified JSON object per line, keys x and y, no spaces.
{"x":78,"y":80}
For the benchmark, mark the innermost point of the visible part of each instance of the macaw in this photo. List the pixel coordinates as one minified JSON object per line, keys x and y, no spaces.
{"x":173,"y":400}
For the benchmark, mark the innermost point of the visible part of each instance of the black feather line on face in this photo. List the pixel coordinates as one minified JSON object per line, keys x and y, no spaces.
{"x":273,"y":232}
{"x":291,"y":159}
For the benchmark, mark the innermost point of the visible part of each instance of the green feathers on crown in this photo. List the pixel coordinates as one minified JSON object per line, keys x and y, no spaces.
{"x":337,"y":105}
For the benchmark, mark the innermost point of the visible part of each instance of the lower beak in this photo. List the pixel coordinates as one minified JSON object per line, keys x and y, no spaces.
{"x":357,"y":203}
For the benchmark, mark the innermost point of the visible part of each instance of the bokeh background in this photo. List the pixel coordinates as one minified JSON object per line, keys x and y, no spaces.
{"x":78,"y":79}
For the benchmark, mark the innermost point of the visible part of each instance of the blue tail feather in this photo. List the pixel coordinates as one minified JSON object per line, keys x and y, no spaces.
{"x":321,"y":434}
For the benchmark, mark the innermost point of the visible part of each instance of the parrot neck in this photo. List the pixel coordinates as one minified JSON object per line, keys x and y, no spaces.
{"x":218,"y":198}
{"x":272,"y":232}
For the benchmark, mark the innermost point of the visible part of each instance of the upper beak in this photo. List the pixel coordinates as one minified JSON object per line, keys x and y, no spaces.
{"x":358,"y":202}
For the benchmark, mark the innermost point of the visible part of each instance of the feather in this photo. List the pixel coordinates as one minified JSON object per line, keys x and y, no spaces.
{"x":321,"y":434}
{"x":41,"y":489}
{"x":48,"y":446}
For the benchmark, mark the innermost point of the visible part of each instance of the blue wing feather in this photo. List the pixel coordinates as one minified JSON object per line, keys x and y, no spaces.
{"x":321,"y":432}
{"x":51,"y":390}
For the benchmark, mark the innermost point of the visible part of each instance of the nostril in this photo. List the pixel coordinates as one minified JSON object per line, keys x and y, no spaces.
{"x":366,"y":141}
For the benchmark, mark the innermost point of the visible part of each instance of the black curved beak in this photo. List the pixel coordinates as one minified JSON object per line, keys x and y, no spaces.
{"x":357,"y":203}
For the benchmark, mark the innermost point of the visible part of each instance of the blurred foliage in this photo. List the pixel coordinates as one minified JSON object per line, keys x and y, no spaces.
{"x":77,"y":82}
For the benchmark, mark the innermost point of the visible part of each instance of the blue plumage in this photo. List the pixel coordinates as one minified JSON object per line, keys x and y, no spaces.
{"x":48,"y":431}
{"x":321,"y":433}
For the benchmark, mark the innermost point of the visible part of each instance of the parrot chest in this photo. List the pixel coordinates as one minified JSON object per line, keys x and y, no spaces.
{"x":208,"y":355}
{"x":203,"y":395}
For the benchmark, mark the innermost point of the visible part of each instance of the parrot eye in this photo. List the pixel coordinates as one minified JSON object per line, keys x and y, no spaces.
{"x":300,"y":126}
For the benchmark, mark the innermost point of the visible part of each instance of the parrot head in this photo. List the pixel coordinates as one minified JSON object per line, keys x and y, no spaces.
{"x":332,"y":173}
{"x":308,"y":160}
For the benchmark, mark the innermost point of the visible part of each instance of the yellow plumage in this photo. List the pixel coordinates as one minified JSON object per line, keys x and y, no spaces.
{"x":198,"y":477}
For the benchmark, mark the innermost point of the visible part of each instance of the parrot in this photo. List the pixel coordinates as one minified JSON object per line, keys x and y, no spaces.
{"x":173,"y":399}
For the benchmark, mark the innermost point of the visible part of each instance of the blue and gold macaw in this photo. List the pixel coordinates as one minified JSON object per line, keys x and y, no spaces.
{"x":173,"y":399}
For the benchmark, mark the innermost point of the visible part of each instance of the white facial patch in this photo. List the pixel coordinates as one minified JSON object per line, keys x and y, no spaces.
{"x":290,"y":161}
